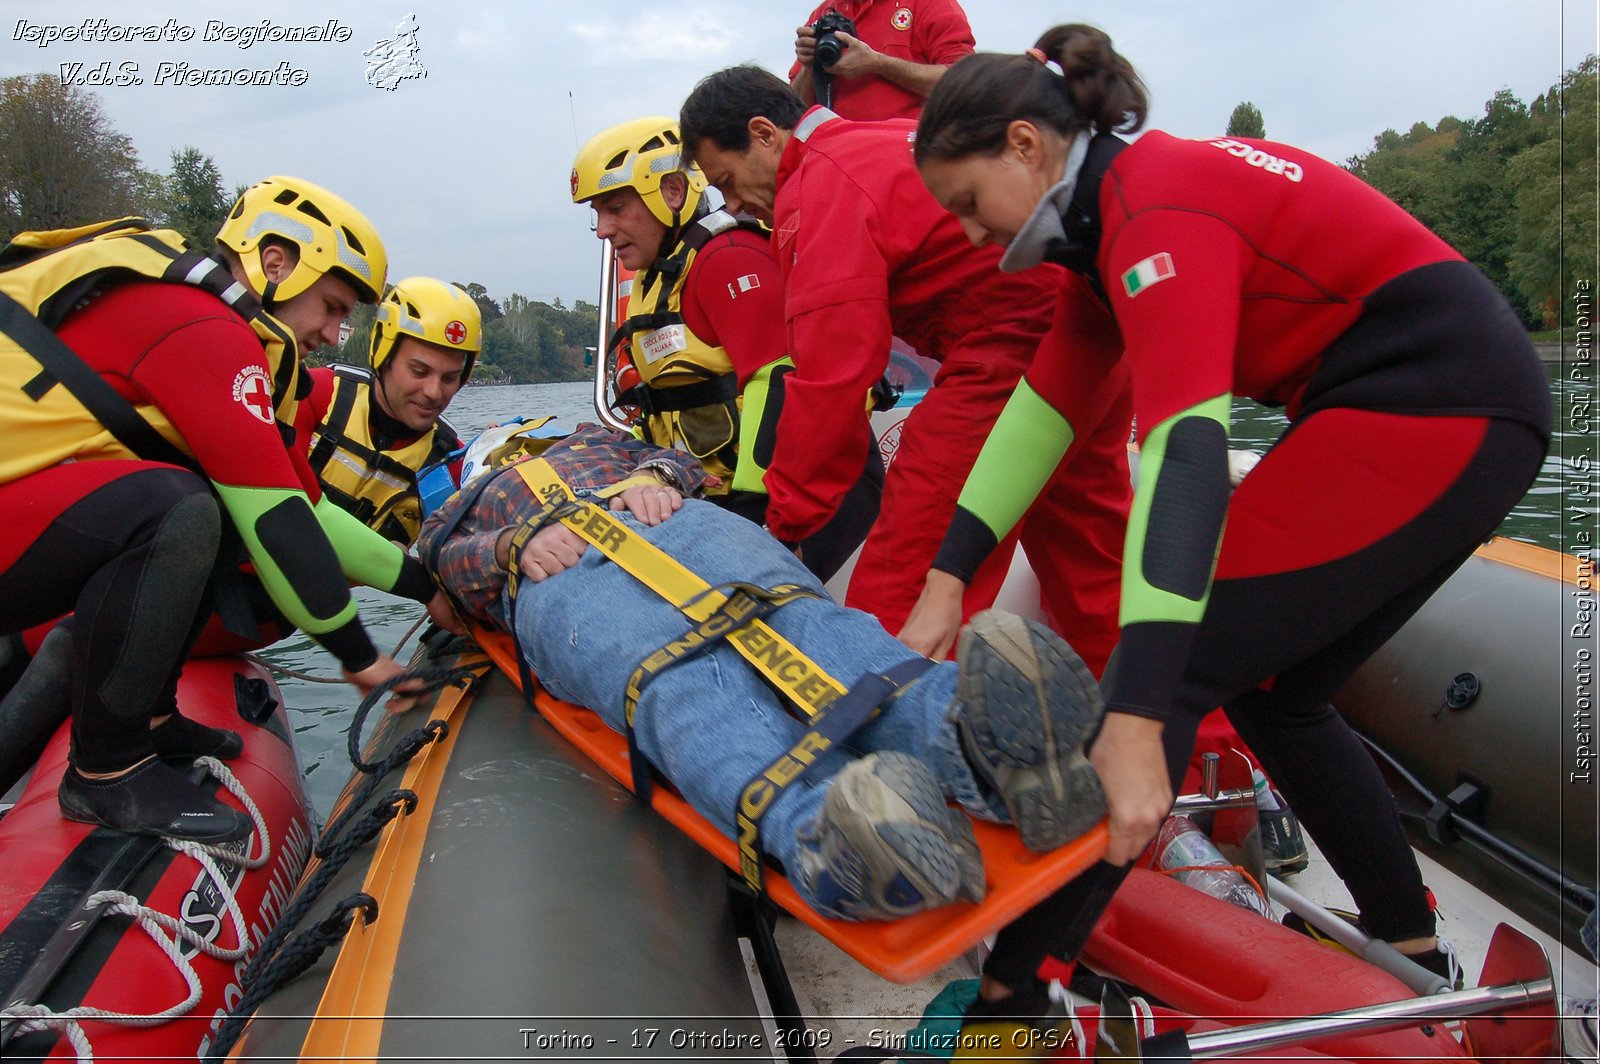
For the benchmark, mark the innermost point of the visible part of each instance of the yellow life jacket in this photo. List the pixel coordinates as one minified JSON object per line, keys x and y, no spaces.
{"x":54,"y":406}
{"x":689,"y":394}
{"x":379,"y":488}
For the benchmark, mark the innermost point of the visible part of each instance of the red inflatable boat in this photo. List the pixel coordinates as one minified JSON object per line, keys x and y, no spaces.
{"x":127,"y":947}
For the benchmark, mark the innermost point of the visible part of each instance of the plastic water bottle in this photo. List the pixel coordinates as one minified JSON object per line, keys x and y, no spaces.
{"x":1181,"y":844}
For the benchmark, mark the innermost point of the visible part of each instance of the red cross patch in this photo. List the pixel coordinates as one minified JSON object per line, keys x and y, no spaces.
{"x":252,"y":389}
{"x":902,"y":19}
{"x":455,"y":332}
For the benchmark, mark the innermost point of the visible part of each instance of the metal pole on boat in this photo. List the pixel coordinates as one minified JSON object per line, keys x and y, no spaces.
{"x":1374,"y":951}
{"x":1227,"y":798}
{"x":1372,"y":1019}
{"x":602,"y":355}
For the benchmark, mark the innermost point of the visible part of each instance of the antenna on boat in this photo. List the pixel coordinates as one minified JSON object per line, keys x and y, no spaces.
{"x":573,"y":107}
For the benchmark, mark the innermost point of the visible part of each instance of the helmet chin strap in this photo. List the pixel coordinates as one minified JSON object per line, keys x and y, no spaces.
{"x":387,"y":428}
{"x":663,"y":258}
{"x":380,"y":379}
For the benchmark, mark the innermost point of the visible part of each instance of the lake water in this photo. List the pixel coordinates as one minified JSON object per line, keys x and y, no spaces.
{"x":320,"y":712}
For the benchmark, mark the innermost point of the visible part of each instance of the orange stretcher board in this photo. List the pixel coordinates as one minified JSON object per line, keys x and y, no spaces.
{"x":902,"y":951}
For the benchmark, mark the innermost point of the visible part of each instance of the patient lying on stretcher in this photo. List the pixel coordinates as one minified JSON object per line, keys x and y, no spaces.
{"x":843,"y":778}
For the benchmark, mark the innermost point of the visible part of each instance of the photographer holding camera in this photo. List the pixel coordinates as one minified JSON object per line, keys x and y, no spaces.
{"x":876,"y":59}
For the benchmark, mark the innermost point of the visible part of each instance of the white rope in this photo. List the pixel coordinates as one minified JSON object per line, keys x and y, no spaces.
{"x":42,"y":1018}
{"x":231,"y":783}
{"x":164,"y":931}
{"x":1144,"y":1015}
{"x":1059,"y":994}
{"x":293,"y":674}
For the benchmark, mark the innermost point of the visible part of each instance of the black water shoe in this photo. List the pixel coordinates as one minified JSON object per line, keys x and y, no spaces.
{"x":152,"y":799}
{"x":181,"y":739}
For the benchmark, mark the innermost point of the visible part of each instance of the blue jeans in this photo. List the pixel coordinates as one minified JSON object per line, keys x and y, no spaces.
{"x":710,"y":723}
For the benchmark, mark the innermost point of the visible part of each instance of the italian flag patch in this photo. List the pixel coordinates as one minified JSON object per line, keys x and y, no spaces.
{"x":1157,"y":267}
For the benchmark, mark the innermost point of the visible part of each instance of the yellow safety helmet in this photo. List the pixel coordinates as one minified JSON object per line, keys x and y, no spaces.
{"x":637,"y":155}
{"x":329,"y":233}
{"x":432,"y":311}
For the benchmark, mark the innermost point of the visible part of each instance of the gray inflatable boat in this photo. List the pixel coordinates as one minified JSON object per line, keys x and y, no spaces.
{"x":501,"y":898}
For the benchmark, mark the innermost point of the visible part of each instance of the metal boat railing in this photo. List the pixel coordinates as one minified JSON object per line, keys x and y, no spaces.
{"x":602,"y":351}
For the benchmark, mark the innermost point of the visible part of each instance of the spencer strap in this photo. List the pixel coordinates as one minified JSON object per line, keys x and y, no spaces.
{"x":844,"y":717}
{"x":831,"y":711}
{"x":732,"y":621}
{"x":670,"y":579}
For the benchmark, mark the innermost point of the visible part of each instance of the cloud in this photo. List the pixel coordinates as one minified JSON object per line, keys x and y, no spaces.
{"x":652,"y":37}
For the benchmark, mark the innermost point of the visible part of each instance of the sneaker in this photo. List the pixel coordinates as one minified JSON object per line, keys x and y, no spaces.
{"x":1283,"y":844}
{"x":1028,"y":705}
{"x":152,"y":799}
{"x":1442,"y":961}
{"x":886,"y":845}
{"x":1580,"y":1034}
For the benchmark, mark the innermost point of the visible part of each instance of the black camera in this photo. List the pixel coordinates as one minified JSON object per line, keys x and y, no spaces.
{"x":829,"y":46}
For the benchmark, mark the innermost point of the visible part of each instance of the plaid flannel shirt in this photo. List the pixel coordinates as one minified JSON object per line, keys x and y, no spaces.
{"x":592,"y":458}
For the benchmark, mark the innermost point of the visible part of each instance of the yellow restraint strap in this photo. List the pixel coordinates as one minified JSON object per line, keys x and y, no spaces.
{"x":803,"y":680}
{"x":737,"y":619}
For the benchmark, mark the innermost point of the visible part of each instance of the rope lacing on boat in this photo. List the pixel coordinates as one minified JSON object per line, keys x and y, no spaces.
{"x":164,"y":930}
{"x":281,"y":958}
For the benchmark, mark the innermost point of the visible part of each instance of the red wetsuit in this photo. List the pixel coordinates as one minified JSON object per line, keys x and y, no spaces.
{"x":270,"y":624}
{"x":867,"y":253}
{"x":1419,"y":415}
{"x":918,"y":31}
{"x":733,"y":299}
{"x":97,"y":537}
{"x":1299,"y":251}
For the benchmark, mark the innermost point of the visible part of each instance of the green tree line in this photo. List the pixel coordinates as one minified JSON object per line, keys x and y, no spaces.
{"x":1513,"y":190}
{"x":63,"y":164}
{"x":525,"y":341}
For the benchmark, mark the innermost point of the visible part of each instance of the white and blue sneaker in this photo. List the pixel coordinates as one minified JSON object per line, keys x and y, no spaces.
{"x":1028,"y":704}
{"x":886,"y":845}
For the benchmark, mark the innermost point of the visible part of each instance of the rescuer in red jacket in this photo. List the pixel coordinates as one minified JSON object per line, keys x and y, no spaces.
{"x":866,"y":253}
{"x":704,"y":328}
{"x":886,"y":67}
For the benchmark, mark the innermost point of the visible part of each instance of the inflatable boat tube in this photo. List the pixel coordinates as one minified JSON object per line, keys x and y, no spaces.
{"x":526,"y":906}
{"x":1206,"y":957}
{"x":124,"y":947}
{"x":1491,"y":684}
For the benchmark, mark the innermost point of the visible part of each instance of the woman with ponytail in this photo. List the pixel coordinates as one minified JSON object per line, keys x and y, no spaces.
{"x":1418,"y":413}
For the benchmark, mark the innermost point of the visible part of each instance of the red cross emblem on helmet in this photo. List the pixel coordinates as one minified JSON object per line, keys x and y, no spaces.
{"x":455,"y":332}
{"x":574,"y":181}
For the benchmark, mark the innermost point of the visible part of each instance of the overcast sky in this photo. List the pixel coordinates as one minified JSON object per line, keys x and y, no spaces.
{"x":465,"y":171}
